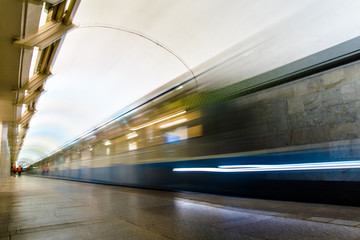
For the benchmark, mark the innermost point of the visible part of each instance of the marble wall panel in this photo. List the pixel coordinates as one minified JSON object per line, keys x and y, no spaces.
{"x":323,"y":108}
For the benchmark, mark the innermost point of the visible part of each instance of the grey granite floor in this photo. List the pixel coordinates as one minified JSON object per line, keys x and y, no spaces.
{"x":42,"y":208}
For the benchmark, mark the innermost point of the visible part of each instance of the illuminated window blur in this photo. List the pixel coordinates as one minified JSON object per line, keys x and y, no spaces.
{"x":132,"y":146}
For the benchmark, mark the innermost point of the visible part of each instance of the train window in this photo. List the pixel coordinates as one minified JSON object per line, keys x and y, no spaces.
{"x":67,"y":158}
{"x":85,"y":154}
{"x":60,"y":159}
{"x":178,"y":134}
{"x":195,"y":131}
{"x":75,"y":155}
{"x":132,"y":146}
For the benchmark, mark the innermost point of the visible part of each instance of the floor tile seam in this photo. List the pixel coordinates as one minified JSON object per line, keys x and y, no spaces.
{"x":144,"y":227}
{"x":103,"y":211}
{"x":272,"y":217}
{"x":83,"y":205}
{"x":39,"y":209}
{"x":81,"y":202}
{"x":42,"y":203}
{"x":207,"y":225}
{"x":25,"y":219}
{"x":32,"y":214}
{"x":309,"y":219}
{"x":73,"y":224}
{"x":37,"y":196}
{"x":331,"y":222}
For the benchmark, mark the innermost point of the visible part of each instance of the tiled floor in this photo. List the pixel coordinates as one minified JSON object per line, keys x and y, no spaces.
{"x":41,"y":208}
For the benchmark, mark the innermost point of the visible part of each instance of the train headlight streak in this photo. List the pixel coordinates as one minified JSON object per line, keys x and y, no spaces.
{"x":277,"y":167}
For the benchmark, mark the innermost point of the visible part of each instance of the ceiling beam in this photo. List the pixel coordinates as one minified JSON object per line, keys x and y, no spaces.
{"x":47,"y":38}
{"x":25,"y":118}
{"x":46,"y":35}
{"x":35,"y":82}
{"x":31,"y":97}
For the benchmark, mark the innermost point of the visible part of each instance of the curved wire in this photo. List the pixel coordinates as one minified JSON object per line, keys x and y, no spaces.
{"x":143,"y":36}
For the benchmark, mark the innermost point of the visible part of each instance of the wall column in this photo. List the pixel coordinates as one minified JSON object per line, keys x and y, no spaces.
{"x":4,"y":153}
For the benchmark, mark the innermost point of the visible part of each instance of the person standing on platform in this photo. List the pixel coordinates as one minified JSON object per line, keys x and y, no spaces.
{"x":19,"y":169}
{"x":14,"y":170}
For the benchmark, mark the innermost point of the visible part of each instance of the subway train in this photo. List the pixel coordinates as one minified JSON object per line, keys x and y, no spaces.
{"x":292,"y":133}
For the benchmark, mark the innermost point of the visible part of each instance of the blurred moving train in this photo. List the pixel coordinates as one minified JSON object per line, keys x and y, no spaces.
{"x":291,"y":133}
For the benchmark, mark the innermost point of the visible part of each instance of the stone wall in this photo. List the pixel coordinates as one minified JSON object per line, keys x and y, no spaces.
{"x":321,"y":110}
{"x":324,"y":108}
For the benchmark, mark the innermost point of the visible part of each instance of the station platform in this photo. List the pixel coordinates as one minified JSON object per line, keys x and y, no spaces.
{"x":43,"y":208}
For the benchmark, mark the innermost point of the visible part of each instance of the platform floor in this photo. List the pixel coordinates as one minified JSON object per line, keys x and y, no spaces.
{"x":41,"y":208}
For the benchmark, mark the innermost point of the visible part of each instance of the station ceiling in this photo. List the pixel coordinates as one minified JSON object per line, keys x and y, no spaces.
{"x":118,"y":51}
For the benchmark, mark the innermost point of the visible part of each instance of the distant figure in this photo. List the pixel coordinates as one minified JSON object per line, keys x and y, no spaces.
{"x":14,"y":170}
{"x":19,"y":169}
{"x":45,"y":170}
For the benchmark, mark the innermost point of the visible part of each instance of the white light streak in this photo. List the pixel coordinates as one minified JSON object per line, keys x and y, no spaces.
{"x":33,"y":63}
{"x":132,"y":135}
{"x":275,"y":167}
{"x":107,"y":143}
{"x":43,"y":16}
{"x":173,"y":123}
{"x":157,"y":121}
{"x":67,"y":4}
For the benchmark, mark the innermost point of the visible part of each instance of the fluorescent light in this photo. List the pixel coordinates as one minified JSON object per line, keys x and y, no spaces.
{"x":107,"y":143}
{"x":33,"y":62}
{"x":132,"y":135}
{"x":173,"y":123}
{"x":23,"y":109}
{"x":67,"y":4}
{"x":275,"y":167}
{"x":43,"y":15}
{"x":157,"y":121}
